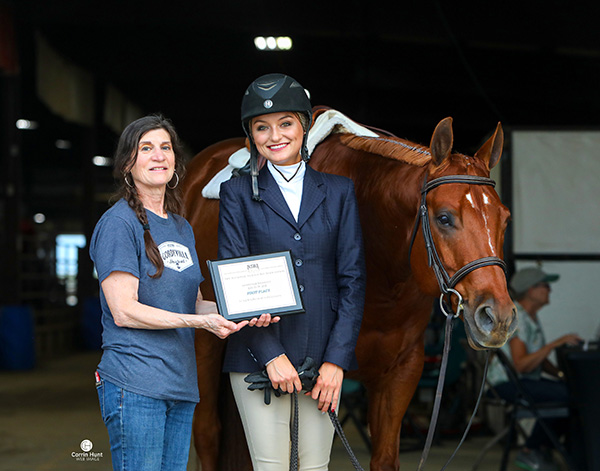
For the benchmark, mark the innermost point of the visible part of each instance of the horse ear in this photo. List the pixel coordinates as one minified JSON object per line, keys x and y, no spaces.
{"x":491,"y":151}
{"x":441,"y":141}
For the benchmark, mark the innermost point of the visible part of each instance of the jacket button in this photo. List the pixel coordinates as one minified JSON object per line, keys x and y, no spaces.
{"x":299,"y":262}
{"x":297,"y":236}
{"x":301,"y":288}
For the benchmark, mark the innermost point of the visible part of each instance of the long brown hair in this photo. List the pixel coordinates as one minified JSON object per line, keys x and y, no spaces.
{"x":125,"y":158}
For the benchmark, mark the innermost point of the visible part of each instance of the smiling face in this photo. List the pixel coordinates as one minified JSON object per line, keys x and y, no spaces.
{"x":155,"y":161}
{"x":278,"y":137}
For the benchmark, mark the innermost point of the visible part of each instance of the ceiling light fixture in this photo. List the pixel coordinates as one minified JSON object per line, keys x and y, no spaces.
{"x":272,"y":43}
{"x":100,"y":161}
{"x":26,"y":124}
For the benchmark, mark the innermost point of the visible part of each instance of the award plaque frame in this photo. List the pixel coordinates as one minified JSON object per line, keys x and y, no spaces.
{"x":246,"y":287}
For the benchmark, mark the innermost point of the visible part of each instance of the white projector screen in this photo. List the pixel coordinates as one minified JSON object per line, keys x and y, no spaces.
{"x":555,"y":182}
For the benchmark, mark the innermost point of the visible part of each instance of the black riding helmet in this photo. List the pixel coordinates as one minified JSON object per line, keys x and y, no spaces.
{"x":273,"y":93}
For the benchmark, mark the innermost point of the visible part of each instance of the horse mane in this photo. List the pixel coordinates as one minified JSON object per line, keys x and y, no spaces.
{"x":385,"y":144}
{"x":390,"y":147}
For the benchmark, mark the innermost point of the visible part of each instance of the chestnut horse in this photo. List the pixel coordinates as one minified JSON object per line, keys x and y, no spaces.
{"x":467,"y":222}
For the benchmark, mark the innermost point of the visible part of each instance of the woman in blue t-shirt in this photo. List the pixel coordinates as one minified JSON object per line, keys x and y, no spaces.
{"x":149,"y":274}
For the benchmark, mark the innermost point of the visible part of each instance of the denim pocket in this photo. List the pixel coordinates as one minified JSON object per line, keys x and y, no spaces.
{"x":100,"y":391}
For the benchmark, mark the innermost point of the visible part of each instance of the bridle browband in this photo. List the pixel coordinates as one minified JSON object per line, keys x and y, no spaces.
{"x":445,"y":281}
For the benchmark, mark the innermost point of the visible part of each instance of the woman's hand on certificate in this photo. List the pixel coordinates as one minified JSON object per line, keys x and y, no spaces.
{"x":216,"y":324}
{"x":264,"y":320}
{"x":222,"y":327}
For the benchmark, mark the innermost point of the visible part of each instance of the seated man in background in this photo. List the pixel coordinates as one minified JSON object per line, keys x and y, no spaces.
{"x":528,"y":351}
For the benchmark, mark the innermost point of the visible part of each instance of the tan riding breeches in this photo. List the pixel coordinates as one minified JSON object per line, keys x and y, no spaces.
{"x":267,"y":429}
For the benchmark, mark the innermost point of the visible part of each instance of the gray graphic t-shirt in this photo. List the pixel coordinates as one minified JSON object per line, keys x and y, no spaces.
{"x":155,"y":363}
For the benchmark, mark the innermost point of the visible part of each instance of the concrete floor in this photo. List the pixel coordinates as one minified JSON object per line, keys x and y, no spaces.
{"x":46,"y":413}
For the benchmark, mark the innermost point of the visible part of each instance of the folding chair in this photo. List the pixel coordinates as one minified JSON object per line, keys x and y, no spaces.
{"x":524,"y":407}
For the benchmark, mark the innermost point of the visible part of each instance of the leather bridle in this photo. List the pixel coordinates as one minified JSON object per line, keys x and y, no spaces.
{"x":446,"y":282}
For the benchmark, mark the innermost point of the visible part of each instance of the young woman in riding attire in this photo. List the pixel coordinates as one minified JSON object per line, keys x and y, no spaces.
{"x":289,"y":206}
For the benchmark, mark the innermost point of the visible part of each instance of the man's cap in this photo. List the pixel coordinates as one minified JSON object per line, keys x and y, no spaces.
{"x":524,"y":279}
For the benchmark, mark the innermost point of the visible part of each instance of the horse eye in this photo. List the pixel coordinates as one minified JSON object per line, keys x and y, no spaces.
{"x":444,"y":220}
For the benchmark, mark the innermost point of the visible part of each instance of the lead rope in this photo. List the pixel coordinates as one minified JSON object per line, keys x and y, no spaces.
{"x":338,"y":428}
{"x":294,"y":450}
{"x":336,"y":425}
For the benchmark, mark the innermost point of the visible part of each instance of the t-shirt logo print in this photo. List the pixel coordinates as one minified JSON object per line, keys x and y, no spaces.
{"x":175,"y":256}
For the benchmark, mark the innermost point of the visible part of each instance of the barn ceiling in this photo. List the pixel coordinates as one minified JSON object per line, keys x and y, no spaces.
{"x":401,"y":66}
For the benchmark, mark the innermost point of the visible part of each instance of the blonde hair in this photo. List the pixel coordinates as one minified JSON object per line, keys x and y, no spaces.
{"x":303,"y":120}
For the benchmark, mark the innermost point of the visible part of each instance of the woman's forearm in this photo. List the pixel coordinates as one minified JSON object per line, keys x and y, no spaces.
{"x":531,"y":361}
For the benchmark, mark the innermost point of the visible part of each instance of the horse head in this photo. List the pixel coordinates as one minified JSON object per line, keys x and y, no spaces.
{"x":459,"y":246}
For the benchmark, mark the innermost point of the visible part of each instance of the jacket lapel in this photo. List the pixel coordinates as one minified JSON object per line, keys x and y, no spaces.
{"x":313,"y":195}
{"x":272,"y":196}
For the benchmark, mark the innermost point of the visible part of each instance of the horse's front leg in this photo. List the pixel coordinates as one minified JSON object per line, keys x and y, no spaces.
{"x":207,"y":424}
{"x":389,"y":398}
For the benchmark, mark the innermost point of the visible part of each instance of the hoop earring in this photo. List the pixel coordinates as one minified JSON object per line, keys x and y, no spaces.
{"x":127,"y":181}
{"x":176,"y":183}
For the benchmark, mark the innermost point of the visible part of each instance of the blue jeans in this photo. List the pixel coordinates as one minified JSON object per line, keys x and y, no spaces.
{"x":145,"y":433}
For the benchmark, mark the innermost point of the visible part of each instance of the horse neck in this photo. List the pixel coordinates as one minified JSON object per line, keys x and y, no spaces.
{"x":388,"y":193}
{"x":392,"y":194}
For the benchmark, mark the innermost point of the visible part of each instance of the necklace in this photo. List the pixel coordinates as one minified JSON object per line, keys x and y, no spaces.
{"x":284,"y":177}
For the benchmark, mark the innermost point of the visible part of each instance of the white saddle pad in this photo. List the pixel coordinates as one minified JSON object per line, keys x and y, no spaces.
{"x":330,"y":121}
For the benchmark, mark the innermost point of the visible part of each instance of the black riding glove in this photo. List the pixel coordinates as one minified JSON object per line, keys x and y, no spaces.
{"x":308,"y":374}
{"x":258,"y":380}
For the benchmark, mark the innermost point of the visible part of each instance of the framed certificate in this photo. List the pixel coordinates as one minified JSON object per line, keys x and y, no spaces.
{"x":246,"y":287}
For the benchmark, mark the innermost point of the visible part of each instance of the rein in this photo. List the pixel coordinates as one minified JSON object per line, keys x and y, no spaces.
{"x":447,"y":284}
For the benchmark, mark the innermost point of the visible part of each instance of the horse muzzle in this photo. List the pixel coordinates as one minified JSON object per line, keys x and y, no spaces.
{"x":488,"y":326}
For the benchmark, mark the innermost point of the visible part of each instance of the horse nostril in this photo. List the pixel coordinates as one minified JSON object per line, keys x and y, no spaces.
{"x":484,"y":319}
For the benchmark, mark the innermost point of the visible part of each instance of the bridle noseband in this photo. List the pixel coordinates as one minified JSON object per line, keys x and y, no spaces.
{"x":446,"y":282}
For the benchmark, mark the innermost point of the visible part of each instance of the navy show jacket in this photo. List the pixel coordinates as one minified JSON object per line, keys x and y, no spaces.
{"x":327,"y":251}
